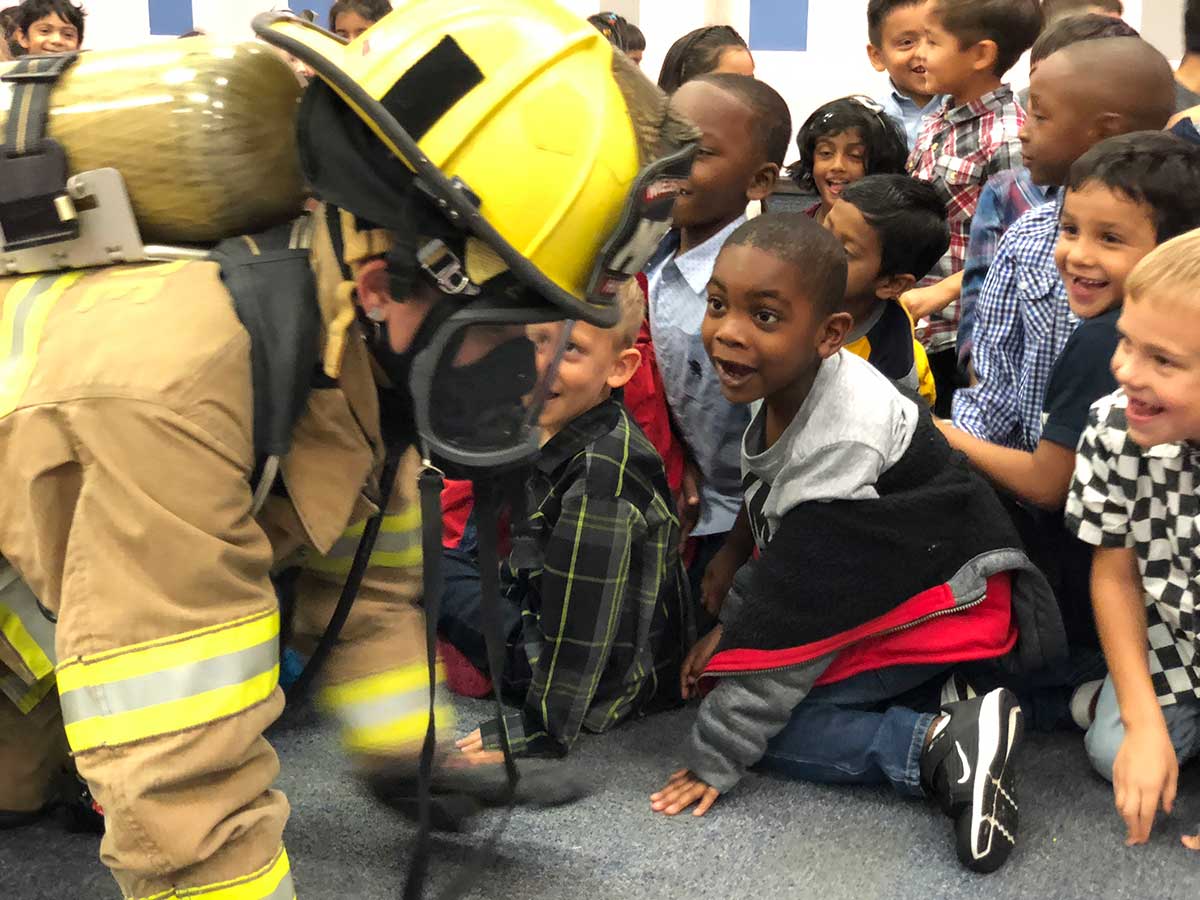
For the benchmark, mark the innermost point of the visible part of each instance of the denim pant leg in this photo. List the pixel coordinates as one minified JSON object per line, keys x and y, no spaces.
{"x":848,"y":733}
{"x":460,"y":614}
{"x":1106,"y":734}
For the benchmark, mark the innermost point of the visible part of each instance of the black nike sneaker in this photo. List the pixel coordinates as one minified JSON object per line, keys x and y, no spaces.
{"x":967,"y":766}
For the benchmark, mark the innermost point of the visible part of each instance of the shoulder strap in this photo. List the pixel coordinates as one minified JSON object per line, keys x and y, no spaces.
{"x":275,"y":297}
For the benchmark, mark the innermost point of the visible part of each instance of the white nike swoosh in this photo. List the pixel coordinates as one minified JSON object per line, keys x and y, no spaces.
{"x":966,"y":764}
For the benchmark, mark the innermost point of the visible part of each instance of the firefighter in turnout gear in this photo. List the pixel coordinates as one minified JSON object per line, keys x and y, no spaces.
{"x":196,"y":396}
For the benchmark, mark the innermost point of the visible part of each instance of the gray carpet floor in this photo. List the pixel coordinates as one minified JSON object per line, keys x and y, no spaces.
{"x":768,"y":838}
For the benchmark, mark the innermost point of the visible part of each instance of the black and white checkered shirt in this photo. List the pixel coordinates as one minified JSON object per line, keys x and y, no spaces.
{"x":1124,"y":495}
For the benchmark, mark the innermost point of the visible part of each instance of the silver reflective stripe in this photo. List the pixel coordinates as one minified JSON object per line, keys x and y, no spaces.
{"x":21,"y":316}
{"x":385,"y":710}
{"x":387,"y":542}
{"x":16,"y":596}
{"x":169,"y":685}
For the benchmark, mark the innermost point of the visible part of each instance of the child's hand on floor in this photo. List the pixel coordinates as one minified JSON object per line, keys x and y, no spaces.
{"x":472,"y":752}
{"x":1145,"y":776}
{"x":682,"y":790}
{"x":696,"y":661}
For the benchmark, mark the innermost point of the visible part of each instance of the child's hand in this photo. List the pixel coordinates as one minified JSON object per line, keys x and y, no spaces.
{"x":921,"y":303}
{"x":472,"y":752}
{"x":472,"y":743}
{"x":718,"y":579}
{"x":1145,"y":776}
{"x":682,"y":790}
{"x":688,"y":506}
{"x":696,"y":661}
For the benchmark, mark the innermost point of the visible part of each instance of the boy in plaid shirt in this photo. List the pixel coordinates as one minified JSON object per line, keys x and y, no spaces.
{"x":1136,"y":497}
{"x":967,"y":48}
{"x":596,"y":628}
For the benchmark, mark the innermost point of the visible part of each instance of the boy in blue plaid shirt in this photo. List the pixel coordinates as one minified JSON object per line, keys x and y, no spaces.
{"x":597,"y":628}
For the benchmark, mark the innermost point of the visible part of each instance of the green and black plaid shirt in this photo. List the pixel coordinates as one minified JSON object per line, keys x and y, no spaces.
{"x":606,"y":616}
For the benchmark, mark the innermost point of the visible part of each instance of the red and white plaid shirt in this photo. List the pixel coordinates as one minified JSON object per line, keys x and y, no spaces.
{"x":958,"y":151}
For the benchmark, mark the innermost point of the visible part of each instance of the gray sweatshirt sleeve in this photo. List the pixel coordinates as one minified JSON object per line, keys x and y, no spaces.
{"x":740,"y":715}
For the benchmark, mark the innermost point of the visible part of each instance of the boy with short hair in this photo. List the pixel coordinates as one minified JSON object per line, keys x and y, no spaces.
{"x":1009,"y":195}
{"x":1135,"y":497}
{"x":893,"y":229}
{"x":49,"y":26}
{"x":967,"y":48}
{"x":879,"y":552}
{"x":1055,"y":10}
{"x":895,"y":28}
{"x":1080,"y":95}
{"x":746,"y":132}
{"x":597,"y":628}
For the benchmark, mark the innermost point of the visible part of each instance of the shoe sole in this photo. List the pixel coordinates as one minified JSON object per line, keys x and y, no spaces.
{"x":1001,"y":725}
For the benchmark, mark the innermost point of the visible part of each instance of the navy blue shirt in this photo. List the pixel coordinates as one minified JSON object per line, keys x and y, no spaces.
{"x":1082,"y":374}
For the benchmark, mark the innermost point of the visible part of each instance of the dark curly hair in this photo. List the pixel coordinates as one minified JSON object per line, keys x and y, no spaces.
{"x":887,"y":146}
{"x":371,"y":10}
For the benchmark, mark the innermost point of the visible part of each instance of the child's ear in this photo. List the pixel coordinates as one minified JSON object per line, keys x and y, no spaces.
{"x":625,"y":366}
{"x":371,"y":284}
{"x":1109,"y":124}
{"x":22,"y":38}
{"x":876,"y":57}
{"x":986,"y":53}
{"x":762,"y":185}
{"x":892,"y":286}
{"x":833,"y":334}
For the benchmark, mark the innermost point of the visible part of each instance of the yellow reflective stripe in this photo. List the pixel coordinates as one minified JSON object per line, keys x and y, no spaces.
{"x":272,"y":882}
{"x":387,"y":710}
{"x":168,"y":686}
{"x":25,"y":310}
{"x":154,"y":656}
{"x":22,"y":624}
{"x":397,"y":547}
{"x":407,"y":729}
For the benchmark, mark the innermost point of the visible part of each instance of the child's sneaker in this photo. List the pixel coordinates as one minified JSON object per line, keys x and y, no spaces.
{"x":967,"y":768}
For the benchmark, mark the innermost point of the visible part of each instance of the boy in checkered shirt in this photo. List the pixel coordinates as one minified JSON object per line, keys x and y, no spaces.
{"x":1136,"y":497}
{"x":967,"y":48}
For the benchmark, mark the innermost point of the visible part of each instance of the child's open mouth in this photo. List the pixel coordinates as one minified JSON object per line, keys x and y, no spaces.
{"x":1086,"y":289}
{"x":1139,"y":412}
{"x":918,"y":70}
{"x":733,"y":374}
{"x":836,"y":186}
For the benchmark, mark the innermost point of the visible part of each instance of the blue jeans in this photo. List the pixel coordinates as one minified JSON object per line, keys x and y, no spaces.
{"x":856,"y":731}
{"x":1107,"y":733}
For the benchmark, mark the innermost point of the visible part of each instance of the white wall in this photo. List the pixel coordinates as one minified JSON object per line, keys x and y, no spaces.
{"x":834,"y":65}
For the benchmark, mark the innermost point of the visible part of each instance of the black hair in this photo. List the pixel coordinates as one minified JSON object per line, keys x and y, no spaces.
{"x":696,"y":53}
{"x":771,"y":121}
{"x":1076,"y":30}
{"x":887,"y":145}
{"x":1013,"y":25}
{"x":613,"y":27}
{"x":31,"y":10}
{"x":1191,"y":26}
{"x":814,"y":251}
{"x":878,"y":12}
{"x":1054,"y":10}
{"x":371,"y":10}
{"x":910,"y":218}
{"x":634,"y":39}
{"x":1156,"y":168}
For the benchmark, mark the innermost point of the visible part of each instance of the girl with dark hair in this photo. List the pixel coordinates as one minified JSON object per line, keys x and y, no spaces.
{"x":841,"y":142}
{"x":350,"y":18}
{"x":716,"y":48}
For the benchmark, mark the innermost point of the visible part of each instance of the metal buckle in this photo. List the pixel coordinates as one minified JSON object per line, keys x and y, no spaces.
{"x":445,"y":268}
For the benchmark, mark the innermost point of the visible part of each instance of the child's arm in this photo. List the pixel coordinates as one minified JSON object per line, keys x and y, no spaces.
{"x":586,"y":581}
{"x":1041,"y":477}
{"x":1145,"y":772}
{"x":924,"y":302}
{"x":731,"y":732}
{"x":718,"y":577}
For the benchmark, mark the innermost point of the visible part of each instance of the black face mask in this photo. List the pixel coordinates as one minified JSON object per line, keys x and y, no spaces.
{"x":482,"y":403}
